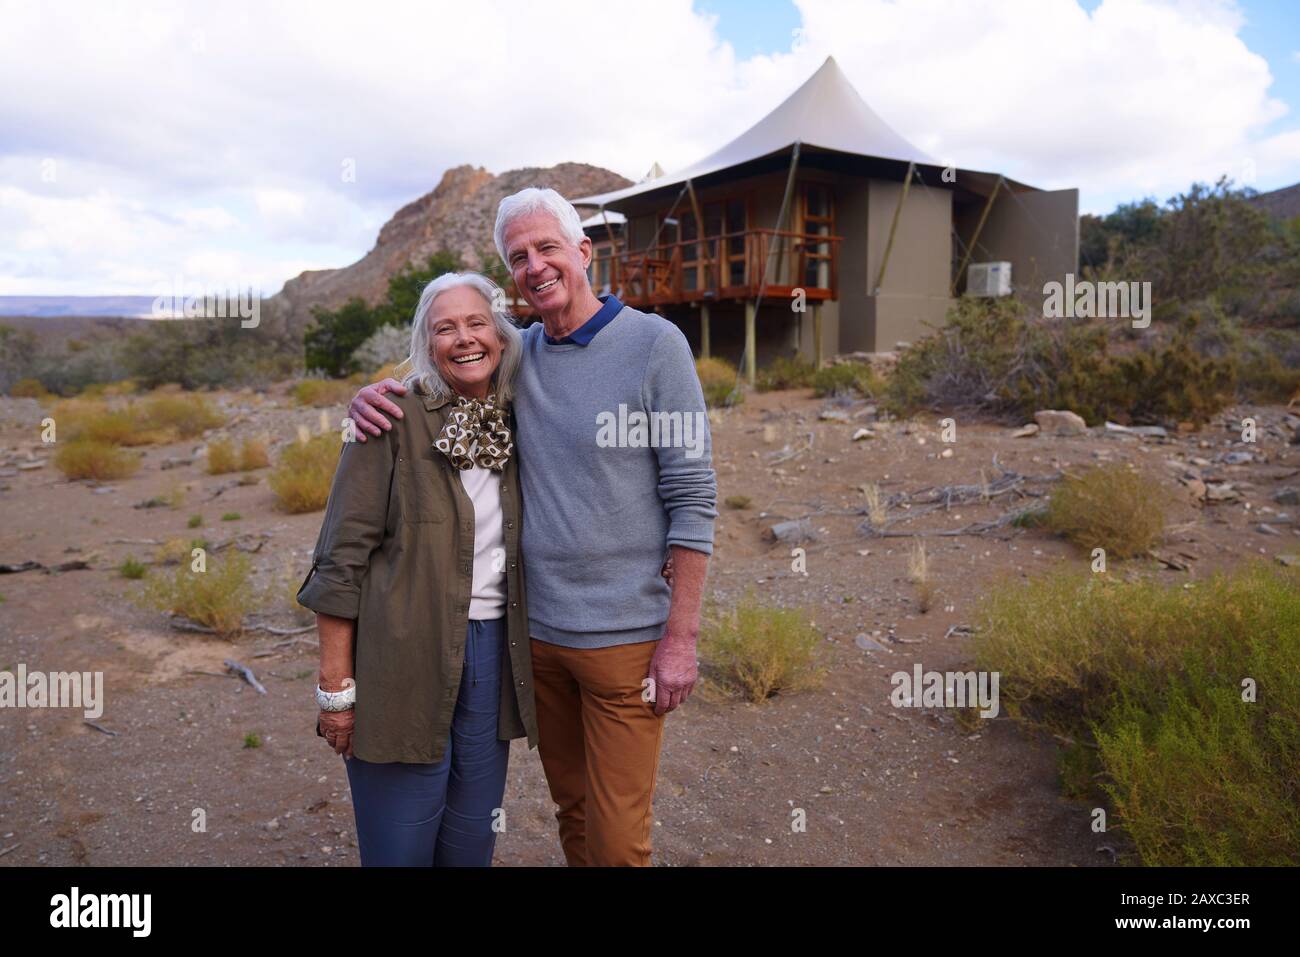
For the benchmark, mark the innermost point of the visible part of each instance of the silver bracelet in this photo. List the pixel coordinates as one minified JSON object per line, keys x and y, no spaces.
{"x":337,"y":700}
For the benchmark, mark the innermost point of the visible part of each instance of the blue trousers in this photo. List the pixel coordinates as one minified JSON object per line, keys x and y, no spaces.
{"x":441,"y":815}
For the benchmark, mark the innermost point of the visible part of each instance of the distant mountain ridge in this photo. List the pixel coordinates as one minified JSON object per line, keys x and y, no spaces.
{"x":1283,"y":203}
{"x":458,"y":216}
{"x":50,"y":307}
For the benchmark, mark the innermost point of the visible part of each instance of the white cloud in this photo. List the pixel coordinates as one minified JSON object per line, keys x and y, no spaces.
{"x":182,"y":133}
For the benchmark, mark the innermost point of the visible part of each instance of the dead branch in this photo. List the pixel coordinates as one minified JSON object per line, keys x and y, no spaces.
{"x":787,"y":453}
{"x":246,"y":673}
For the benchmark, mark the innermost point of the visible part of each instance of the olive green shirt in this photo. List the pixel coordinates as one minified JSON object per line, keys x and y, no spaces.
{"x":396,"y":553}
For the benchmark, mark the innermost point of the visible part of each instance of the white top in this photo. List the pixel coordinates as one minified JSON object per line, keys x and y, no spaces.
{"x":488,"y":594}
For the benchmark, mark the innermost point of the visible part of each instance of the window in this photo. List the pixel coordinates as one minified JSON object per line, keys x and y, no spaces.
{"x":600,"y":271}
{"x":701,"y":273}
{"x":737,"y":222}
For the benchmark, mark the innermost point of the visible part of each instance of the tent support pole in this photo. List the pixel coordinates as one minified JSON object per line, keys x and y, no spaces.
{"x":817,"y":335}
{"x":785,"y":208}
{"x":751,"y":305}
{"x":705,"y":344}
{"x":970,"y":249}
{"x":702,"y":247}
{"x":751,"y":338}
{"x":614,"y":284}
{"x":893,"y":228}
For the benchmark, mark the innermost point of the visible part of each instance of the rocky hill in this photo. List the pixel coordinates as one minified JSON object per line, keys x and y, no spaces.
{"x":1283,"y":203}
{"x":457,"y":216}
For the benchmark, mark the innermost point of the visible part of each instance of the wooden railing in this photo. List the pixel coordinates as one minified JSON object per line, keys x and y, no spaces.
{"x":717,"y":268}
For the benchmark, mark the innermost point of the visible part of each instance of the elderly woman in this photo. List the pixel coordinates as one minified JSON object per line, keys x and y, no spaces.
{"x":425,"y":673}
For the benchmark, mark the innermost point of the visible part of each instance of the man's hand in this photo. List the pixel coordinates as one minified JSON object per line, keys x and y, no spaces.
{"x":674,"y":666}
{"x":369,"y":405}
{"x":673,"y":670}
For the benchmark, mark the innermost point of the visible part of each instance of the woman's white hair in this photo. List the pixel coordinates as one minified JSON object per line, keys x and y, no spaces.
{"x":424,"y":370}
{"x":533,"y":200}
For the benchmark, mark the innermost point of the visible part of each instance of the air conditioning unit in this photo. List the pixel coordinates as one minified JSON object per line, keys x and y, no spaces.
{"x":988,"y":279}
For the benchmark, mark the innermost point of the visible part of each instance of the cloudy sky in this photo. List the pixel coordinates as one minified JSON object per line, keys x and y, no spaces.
{"x":141,"y":143}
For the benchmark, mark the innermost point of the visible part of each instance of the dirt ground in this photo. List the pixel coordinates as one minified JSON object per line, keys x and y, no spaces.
{"x":878,"y":784}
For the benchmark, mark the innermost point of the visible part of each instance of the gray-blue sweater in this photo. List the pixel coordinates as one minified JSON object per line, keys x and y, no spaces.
{"x":615,"y":463}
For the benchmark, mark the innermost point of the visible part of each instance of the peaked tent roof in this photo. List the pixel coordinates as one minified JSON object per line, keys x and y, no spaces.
{"x":825,"y":112}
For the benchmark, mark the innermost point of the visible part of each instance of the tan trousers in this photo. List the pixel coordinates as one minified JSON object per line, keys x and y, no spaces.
{"x":599,"y":744}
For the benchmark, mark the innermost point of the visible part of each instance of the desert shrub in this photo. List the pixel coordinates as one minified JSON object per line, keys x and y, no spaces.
{"x":156,"y":419}
{"x":846,"y":378}
{"x":1269,"y":366}
{"x":180,"y":416}
{"x":222,"y":457}
{"x":996,"y":355}
{"x":176,"y":550}
{"x":1111,"y":507}
{"x":92,"y":459}
{"x":718,"y":380}
{"x":218,"y":597}
{"x":738,"y":501}
{"x":319,"y":392}
{"x":132,"y":569}
{"x":784,"y":372}
{"x":194,"y":521}
{"x":124,"y":387}
{"x":231,"y":517}
{"x":1153,"y":678}
{"x":302,"y":477}
{"x":174,"y":497}
{"x":29,"y":389}
{"x":386,"y":346}
{"x":211,"y":353}
{"x":756,"y":651}
{"x":253,"y":455}
{"x":919,"y":573}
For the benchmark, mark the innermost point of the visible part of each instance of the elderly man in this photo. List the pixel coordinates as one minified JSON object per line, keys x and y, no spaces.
{"x":615,"y":471}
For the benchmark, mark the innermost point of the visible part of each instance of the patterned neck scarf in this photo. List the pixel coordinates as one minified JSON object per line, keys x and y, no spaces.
{"x":476,"y":434}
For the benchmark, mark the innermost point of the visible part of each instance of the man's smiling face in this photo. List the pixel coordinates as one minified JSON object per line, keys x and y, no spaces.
{"x":548,"y":267}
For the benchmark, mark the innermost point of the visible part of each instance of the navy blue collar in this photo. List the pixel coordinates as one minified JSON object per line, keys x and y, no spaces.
{"x":610,"y":307}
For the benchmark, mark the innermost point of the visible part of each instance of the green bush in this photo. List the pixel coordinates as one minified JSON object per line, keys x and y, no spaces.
{"x":784,"y":372}
{"x":132,"y":568}
{"x":1111,"y":507}
{"x":718,"y":380}
{"x":756,"y":651}
{"x":1153,"y":676}
{"x":91,"y":459}
{"x":303,"y":475}
{"x":846,"y":378}
{"x":218,"y":597}
{"x":994,"y":354}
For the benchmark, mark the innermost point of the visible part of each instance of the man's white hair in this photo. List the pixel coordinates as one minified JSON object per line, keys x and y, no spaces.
{"x":424,"y":371}
{"x":533,"y":200}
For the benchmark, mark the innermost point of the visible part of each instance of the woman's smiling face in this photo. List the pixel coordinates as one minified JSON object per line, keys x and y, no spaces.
{"x":464,"y":342}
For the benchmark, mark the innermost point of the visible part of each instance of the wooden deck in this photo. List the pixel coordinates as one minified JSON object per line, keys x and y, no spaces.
{"x":728,"y":267}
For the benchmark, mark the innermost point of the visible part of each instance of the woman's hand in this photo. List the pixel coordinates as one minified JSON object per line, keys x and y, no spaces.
{"x":667,"y":571}
{"x":337,"y":728}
